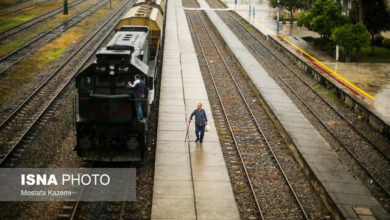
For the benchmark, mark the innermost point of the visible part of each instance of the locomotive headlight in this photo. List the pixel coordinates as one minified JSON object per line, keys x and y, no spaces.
{"x":112,"y":68}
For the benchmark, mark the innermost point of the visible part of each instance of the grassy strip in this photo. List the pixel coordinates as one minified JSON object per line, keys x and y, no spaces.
{"x":28,"y":14}
{"x":13,"y":21}
{"x":381,"y":55}
{"x":49,"y":53}
{"x":25,"y":36}
{"x":329,"y":94}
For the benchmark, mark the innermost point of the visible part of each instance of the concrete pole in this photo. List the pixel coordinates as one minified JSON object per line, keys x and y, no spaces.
{"x":337,"y":52}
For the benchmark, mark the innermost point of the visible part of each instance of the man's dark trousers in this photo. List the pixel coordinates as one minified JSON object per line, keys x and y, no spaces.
{"x":201,"y":130}
{"x":138,"y":108}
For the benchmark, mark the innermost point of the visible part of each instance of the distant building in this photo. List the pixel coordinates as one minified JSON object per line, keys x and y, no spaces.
{"x":345,"y":4}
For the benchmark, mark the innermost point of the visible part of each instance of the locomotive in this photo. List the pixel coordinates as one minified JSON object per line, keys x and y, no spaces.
{"x":107,"y":128}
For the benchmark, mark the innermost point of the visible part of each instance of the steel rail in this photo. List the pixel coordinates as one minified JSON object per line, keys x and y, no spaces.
{"x":322,"y":98}
{"x":76,"y":207}
{"x":308,"y":107}
{"x":34,"y":20}
{"x":120,"y":11}
{"x":28,"y":6}
{"x":229,"y":125}
{"x":10,"y":116}
{"x":17,"y":59}
{"x":251,"y":113}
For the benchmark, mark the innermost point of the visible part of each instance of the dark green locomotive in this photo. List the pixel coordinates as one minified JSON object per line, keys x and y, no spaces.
{"x":106,"y":123}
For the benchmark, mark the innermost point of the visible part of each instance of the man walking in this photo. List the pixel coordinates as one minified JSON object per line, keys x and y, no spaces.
{"x":200,"y":122}
{"x":138,"y":87}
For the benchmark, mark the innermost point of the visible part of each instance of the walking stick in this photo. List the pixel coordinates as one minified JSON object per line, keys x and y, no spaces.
{"x":187,"y":131}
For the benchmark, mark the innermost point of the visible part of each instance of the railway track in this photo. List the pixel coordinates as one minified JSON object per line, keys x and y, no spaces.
{"x":42,"y":17}
{"x":80,"y":209}
{"x":19,"y":10}
{"x":267,"y":170}
{"x":17,"y":55}
{"x":374,"y":169}
{"x":22,"y":124}
{"x":95,"y":210}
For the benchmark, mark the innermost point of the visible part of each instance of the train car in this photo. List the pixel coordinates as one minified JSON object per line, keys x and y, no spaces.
{"x":159,"y":4}
{"x":148,"y":15}
{"x":105,"y":117}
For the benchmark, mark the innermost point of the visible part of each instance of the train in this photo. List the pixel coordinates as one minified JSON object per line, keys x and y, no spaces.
{"x":106,"y":125}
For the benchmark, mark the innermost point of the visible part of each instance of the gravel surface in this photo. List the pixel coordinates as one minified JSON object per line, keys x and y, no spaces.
{"x":17,"y":56}
{"x":22,"y":121}
{"x":32,"y":79}
{"x":54,"y":148}
{"x":364,"y":151}
{"x":26,"y":31}
{"x":12,"y":7}
{"x":275,"y":197}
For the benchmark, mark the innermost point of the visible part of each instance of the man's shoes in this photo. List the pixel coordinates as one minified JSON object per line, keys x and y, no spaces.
{"x":197,"y":140}
{"x":201,"y":141}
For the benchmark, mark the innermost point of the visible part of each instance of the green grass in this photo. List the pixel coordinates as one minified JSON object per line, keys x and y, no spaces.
{"x":381,"y":55}
{"x":8,"y":46}
{"x":50,"y":52}
{"x":13,"y":21}
{"x":28,"y":13}
{"x":52,"y":55}
{"x":244,"y":22}
{"x":329,"y":94}
{"x":5,"y":48}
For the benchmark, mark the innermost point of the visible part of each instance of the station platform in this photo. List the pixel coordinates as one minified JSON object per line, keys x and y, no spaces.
{"x":191,"y":179}
{"x":347,"y":193}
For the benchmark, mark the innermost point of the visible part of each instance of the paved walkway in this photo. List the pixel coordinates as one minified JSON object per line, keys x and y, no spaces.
{"x":374,"y":78}
{"x":339,"y":183}
{"x":188,"y":184}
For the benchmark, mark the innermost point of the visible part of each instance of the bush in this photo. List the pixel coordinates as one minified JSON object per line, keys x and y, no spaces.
{"x":323,"y":17}
{"x":351,"y":36}
{"x":378,"y":40}
{"x":386,"y":43}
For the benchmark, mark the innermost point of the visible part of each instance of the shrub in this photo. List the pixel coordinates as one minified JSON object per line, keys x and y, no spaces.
{"x":386,"y":43}
{"x":323,"y":17}
{"x":351,"y":36}
{"x":378,"y":40}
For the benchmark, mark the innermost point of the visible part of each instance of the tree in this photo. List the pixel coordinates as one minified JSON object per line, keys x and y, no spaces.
{"x":376,"y":17}
{"x":290,"y":5}
{"x":323,"y":17}
{"x":351,"y":36}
